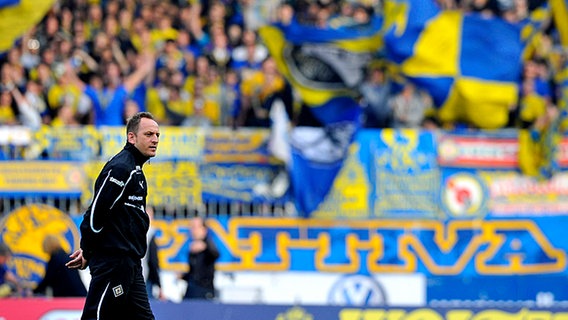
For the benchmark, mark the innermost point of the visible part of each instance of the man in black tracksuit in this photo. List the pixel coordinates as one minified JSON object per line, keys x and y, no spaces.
{"x":202,"y":256}
{"x":114,"y":227}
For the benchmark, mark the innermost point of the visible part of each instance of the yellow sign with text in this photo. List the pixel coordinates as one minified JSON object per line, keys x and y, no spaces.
{"x":41,"y":176}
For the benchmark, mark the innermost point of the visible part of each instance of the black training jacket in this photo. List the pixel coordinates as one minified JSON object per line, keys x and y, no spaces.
{"x":116,"y":222}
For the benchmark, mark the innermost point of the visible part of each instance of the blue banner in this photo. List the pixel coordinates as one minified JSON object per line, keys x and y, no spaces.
{"x":543,"y":290}
{"x":237,"y":146}
{"x":403,"y":173}
{"x":224,"y":183}
{"x":215,"y":311}
{"x":468,"y":248}
{"x":462,"y":254}
{"x":67,"y":143}
{"x":70,"y":308}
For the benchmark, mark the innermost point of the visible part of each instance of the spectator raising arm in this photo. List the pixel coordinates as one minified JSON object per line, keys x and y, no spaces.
{"x":29,"y":117}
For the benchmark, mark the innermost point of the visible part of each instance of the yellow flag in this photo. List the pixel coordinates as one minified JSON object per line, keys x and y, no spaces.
{"x":559,"y":12}
{"x":17,"y":19}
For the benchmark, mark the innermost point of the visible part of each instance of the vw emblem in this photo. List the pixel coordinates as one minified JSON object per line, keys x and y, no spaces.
{"x":357,"y":290}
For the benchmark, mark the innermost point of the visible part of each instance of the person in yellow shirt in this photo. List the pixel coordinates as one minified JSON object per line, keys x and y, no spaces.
{"x":202,"y":67}
{"x":66,"y":117}
{"x":204,"y":111}
{"x":534,"y":117}
{"x":205,"y":89}
{"x":256,"y":92}
{"x":94,"y":21}
{"x":63,"y":92}
{"x":213,"y":95}
{"x":7,"y":114}
{"x":164,"y":32}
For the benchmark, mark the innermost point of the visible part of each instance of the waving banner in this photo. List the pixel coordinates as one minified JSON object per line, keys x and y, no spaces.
{"x":325,"y":66}
{"x":17,"y":17}
{"x":469,"y":64}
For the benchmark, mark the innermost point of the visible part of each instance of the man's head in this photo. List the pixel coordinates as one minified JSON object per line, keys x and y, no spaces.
{"x":198,"y":228}
{"x":50,"y":244}
{"x":5,"y":253}
{"x":144,"y":133}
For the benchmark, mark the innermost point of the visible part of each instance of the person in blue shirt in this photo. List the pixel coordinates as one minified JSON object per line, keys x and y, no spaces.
{"x":109,"y":93}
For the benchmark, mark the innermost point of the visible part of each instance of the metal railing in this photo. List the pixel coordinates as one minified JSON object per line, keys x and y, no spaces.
{"x":74,"y":206}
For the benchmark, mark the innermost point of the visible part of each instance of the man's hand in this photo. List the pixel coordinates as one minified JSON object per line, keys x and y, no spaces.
{"x":77,"y":260}
{"x":197,"y":246}
{"x":161,"y":295}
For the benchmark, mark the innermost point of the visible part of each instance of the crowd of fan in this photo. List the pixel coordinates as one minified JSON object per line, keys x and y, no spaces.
{"x":201,"y":63}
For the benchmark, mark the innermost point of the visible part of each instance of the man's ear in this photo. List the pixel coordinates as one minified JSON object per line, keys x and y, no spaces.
{"x":131,"y":137}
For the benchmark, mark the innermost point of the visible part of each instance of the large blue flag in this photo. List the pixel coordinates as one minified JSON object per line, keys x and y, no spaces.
{"x":468,"y":63}
{"x":17,"y":17}
{"x":325,"y":66}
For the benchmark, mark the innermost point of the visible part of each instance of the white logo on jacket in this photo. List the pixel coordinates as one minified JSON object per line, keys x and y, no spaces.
{"x":118,"y":182}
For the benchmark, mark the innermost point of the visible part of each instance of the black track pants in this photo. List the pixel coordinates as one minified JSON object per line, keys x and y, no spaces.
{"x":117,"y":290}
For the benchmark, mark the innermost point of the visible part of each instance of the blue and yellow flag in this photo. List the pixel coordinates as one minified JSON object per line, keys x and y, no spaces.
{"x":325,"y":66}
{"x":559,"y":12}
{"x":539,"y":151}
{"x":469,"y":64}
{"x":533,"y":28}
{"x":17,"y":17}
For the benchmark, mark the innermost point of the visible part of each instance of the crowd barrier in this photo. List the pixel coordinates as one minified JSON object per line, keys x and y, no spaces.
{"x":74,"y":206}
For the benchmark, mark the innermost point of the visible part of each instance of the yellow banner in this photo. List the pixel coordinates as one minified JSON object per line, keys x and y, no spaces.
{"x":169,"y":183}
{"x":242,"y":146}
{"x":175,"y":142}
{"x":41,"y":176}
{"x":173,"y":183}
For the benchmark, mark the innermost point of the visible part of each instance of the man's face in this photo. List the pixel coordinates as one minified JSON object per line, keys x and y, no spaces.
{"x":147,"y":138}
{"x":198,"y":231}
